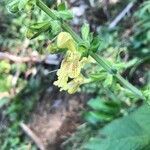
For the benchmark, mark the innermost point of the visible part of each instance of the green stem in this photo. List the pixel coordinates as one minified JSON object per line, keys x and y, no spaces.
{"x":102,"y":62}
{"x":46,"y":9}
{"x":65,"y":26}
{"x":129,"y":86}
{"x":111,"y":70}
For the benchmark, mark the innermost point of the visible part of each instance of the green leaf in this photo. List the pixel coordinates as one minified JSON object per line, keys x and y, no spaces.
{"x":62,"y":6}
{"x":85,"y":30}
{"x":103,"y":105}
{"x":96,"y":117}
{"x":128,"y":133}
{"x":19,"y":5}
{"x":103,"y":111}
{"x":13,"y":6}
{"x":36,"y":29}
{"x":95,"y":44}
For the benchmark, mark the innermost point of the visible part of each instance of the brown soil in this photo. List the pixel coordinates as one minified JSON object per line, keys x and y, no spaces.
{"x":54,"y":120}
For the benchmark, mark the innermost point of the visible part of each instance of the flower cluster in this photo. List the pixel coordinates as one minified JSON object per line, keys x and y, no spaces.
{"x":69,"y":74}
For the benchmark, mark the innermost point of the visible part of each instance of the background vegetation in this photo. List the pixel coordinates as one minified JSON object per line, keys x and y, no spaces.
{"x":102,"y":115}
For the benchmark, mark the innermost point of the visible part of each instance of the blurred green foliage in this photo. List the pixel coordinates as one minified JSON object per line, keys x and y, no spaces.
{"x":103,"y":111}
{"x":109,"y":100}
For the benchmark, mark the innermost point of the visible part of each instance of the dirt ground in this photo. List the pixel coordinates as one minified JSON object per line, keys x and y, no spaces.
{"x":56,"y":118}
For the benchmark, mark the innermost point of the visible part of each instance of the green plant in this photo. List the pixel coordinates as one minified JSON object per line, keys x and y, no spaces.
{"x":78,"y":52}
{"x":129,"y":132}
{"x":102,"y":111}
{"x":87,"y":45}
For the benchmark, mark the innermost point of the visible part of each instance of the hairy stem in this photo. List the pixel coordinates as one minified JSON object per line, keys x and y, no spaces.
{"x":113,"y":71}
{"x":46,"y":9}
{"x":102,"y":62}
{"x":64,"y":25}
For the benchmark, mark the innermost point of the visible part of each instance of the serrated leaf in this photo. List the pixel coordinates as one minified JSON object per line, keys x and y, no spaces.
{"x":127,"y":133}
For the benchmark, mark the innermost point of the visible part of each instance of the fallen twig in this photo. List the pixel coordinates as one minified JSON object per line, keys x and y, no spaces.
{"x":50,"y":59}
{"x":121,"y":15}
{"x":32,"y":135}
{"x":23,"y":49}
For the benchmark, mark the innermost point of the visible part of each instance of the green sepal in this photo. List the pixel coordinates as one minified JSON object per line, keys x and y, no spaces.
{"x":95,"y":44}
{"x":85,"y":31}
{"x":53,"y":49}
{"x":36,"y":29}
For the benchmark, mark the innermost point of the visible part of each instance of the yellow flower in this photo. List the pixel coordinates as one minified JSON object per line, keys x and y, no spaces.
{"x":74,"y":64}
{"x":74,"y":84}
{"x":65,"y":40}
{"x":69,"y":74}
